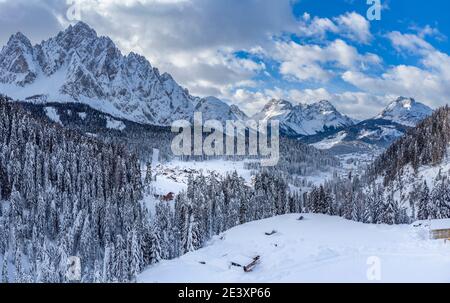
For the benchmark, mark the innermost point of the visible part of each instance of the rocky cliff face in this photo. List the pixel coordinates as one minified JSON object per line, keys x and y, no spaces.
{"x":304,"y":119}
{"x":78,"y":65}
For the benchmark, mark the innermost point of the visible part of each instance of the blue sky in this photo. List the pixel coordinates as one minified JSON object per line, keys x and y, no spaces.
{"x":399,"y":15}
{"x":249,"y":51}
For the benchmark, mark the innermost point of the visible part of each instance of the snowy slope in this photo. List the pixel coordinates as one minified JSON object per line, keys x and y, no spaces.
{"x":412,"y":180}
{"x":304,"y":119}
{"x":274,"y":110}
{"x":317,"y":249}
{"x":79,"y":66}
{"x":330,"y":142}
{"x":370,"y":136}
{"x":405,"y":111}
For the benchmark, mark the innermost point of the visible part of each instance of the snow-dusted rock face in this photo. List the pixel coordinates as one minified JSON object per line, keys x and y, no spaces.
{"x":79,"y":66}
{"x":304,"y":119}
{"x":275,"y":110}
{"x":17,"y":64}
{"x":215,"y":109}
{"x":405,"y":111}
{"x":374,"y":134}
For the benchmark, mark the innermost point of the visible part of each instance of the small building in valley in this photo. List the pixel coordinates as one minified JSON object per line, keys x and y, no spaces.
{"x":434,"y":229}
{"x":440,"y":229}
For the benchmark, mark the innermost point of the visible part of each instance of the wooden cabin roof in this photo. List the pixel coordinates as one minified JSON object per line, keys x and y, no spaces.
{"x":442,"y":224}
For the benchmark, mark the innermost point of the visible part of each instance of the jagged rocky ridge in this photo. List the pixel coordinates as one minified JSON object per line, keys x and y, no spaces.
{"x":304,"y":119}
{"x":79,"y":66}
{"x":376,"y":134}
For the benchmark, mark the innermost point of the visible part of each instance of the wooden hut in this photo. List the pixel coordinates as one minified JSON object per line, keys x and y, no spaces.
{"x":440,"y":229}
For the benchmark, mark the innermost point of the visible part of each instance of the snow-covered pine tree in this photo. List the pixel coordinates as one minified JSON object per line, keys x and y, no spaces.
{"x":390,"y":210}
{"x":135,"y":254}
{"x":423,"y":212}
{"x":5,"y":269}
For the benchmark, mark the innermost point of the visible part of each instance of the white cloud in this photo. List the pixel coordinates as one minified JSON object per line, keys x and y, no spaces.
{"x":428,"y":82}
{"x":429,"y":31}
{"x":355,"y":27}
{"x":349,"y":25}
{"x":409,"y":42}
{"x":404,"y":80}
{"x":306,"y":61}
{"x":316,"y":27}
{"x":194,"y":40}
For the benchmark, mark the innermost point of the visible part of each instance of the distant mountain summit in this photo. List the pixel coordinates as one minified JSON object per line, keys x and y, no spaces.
{"x":215,"y":109}
{"x":79,"y":66}
{"x":304,"y":119}
{"x":405,"y":111}
{"x":374,"y":134}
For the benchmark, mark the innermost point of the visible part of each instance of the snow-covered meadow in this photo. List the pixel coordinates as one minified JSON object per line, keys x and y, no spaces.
{"x":316,"y":249}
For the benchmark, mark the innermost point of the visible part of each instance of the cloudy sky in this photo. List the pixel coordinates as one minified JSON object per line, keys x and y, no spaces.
{"x":249,"y":51}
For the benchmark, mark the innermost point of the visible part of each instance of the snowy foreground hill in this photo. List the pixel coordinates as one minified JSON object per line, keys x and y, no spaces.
{"x":316,"y":249}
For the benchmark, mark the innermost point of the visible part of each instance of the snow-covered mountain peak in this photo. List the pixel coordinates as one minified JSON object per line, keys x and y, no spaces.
{"x":275,"y":109}
{"x":279,"y":104}
{"x":213,"y":108}
{"x":279,"y":101}
{"x":81,"y":28}
{"x":401,"y":102}
{"x":238,"y":112}
{"x":16,"y":61}
{"x":77,"y":65}
{"x":19,"y":40}
{"x":405,"y":111}
{"x":304,"y":119}
{"x":324,"y":106}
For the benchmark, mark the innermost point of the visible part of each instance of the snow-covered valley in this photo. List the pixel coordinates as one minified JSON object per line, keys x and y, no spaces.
{"x":317,"y":249}
{"x":89,"y":174}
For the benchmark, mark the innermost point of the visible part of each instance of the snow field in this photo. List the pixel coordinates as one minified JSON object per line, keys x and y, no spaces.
{"x":316,"y":249}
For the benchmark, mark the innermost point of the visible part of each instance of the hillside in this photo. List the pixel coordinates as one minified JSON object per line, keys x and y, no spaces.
{"x":63,"y":194}
{"x":427,"y":144}
{"x":317,"y":249}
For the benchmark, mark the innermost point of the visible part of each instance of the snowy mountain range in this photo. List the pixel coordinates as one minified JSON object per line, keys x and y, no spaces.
{"x":377,"y":133}
{"x":304,"y":119}
{"x":79,"y":66}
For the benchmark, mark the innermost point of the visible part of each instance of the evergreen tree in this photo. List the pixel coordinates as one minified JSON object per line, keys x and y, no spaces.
{"x":5,"y":272}
{"x":423,"y":212}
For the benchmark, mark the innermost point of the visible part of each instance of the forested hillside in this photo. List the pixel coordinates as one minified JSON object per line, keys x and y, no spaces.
{"x":426,"y":144}
{"x":65,"y":195}
{"x":410,"y":181}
